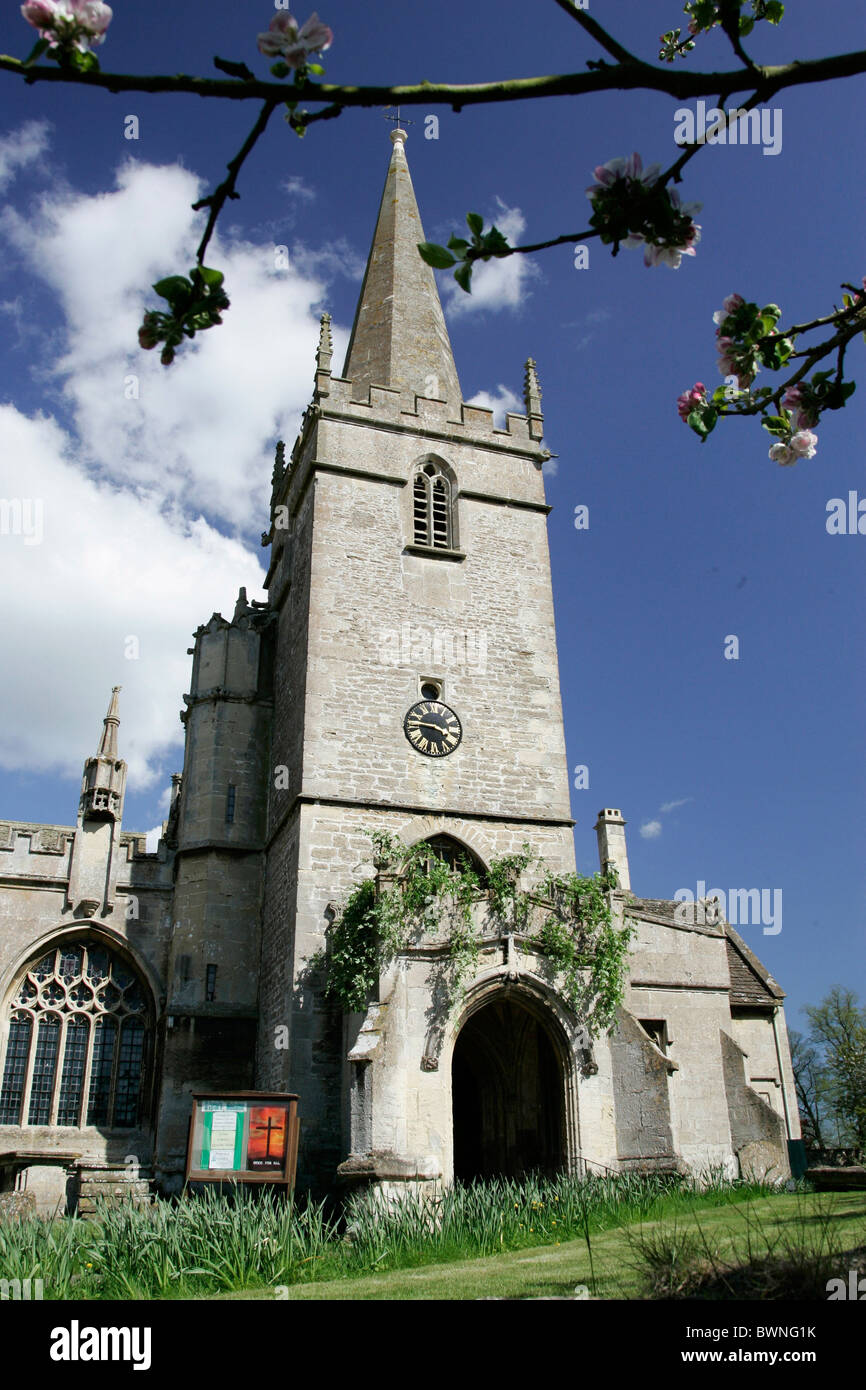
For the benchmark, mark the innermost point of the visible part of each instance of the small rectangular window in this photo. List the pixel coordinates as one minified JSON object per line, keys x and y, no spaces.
{"x":230,"y":804}
{"x":658,"y":1031}
{"x":210,"y":984}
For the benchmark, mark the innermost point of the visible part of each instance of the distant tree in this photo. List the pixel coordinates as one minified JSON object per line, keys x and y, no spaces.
{"x":838,"y":1039}
{"x":810,"y":1085}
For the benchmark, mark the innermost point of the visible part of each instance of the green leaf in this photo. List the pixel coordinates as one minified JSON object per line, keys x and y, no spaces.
{"x":475,"y":223}
{"x":83,"y":62}
{"x":703,"y":421}
{"x":210,"y":276}
{"x":36,"y":52}
{"x":280,"y":69}
{"x":436,"y":255}
{"x":456,"y":243}
{"x":315,"y":68}
{"x":463,"y":276}
{"x":494,"y":241}
{"x":173,"y":287}
{"x":776,"y":424}
{"x":773,"y":11}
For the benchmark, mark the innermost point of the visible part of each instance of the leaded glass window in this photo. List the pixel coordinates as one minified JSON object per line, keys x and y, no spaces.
{"x":431,"y":502}
{"x":78,"y":1037}
{"x":15,"y":1071}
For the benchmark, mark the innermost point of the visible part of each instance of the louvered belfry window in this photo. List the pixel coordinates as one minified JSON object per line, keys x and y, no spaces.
{"x":77,"y":1045}
{"x":432,"y":508}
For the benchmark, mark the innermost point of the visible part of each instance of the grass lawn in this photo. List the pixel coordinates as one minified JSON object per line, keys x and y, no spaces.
{"x":811,"y":1222}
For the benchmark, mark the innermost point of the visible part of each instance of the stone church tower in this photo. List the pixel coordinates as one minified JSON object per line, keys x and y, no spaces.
{"x":402,"y":676}
{"x":413,"y":564}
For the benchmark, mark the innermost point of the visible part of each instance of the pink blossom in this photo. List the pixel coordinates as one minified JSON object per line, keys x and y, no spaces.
{"x":803,"y":419}
{"x":294,"y":45}
{"x":621,"y":168}
{"x":729,"y":306}
{"x":688,"y":401}
{"x":148,"y":334}
{"x":39,"y":13}
{"x":632,"y":168}
{"x":804,"y":444}
{"x":68,"y":22}
{"x":783,"y":454}
{"x":93,"y":16}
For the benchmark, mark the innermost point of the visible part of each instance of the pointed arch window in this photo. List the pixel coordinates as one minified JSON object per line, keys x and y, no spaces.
{"x":432,"y":503}
{"x":455,"y":855}
{"x":78,"y":1041}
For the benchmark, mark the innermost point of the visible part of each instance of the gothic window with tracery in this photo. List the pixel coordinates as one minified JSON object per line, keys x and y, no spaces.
{"x":432,"y":508}
{"x":455,"y":855}
{"x":78,"y":1034}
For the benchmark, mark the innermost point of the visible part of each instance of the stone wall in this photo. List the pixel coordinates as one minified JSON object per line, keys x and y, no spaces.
{"x":757,"y":1131}
{"x":640,"y":1089}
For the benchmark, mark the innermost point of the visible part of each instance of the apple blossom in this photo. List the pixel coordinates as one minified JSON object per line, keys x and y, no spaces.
{"x":804,"y":418}
{"x":633,"y":202}
{"x":285,"y":40}
{"x":620,"y":168}
{"x":783,"y":454}
{"x":68,"y":23}
{"x":804,"y":444}
{"x":689,"y":400}
{"x":39,"y":13}
{"x":729,"y":306}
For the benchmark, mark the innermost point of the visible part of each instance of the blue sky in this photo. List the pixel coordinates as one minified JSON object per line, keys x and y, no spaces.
{"x":154,"y":504}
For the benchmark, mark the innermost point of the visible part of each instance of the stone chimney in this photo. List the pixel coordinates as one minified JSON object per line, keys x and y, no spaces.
{"x":610,"y":829}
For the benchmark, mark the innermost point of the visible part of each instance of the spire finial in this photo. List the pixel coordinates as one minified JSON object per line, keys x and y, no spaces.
{"x":324,"y":352}
{"x":108,"y":742}
{"x":532,"y":399}
{"x":398,"y":134}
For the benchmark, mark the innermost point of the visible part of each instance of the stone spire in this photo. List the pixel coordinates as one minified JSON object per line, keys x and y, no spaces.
{"x":324,"y":353}
{"x":532,"y":399}
{"x":104,"y":780}
{"x":399,"y":338}
{"x":110,"y":724}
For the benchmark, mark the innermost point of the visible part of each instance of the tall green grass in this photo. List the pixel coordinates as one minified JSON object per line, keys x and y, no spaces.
{"x":207,"y":1243}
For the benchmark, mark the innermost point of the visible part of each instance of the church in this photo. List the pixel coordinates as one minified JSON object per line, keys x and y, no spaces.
{"x":402,"y":677}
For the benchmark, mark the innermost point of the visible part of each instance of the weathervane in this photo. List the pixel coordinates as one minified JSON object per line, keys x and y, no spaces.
{"x":396,"y":119}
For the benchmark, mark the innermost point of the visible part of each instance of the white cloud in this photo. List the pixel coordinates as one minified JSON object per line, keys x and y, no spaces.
{"x":496,"y":284}
{"x":200,"y":433}
{"x":297,"y":188}
{"x":673,"y":805}
{"x":110,"y":566}
{"x":651,"y":829}
{"x":152,"y":838}
{"x":499,"y":401}
{"x":20,"y":148}
{"x":138,"y":491}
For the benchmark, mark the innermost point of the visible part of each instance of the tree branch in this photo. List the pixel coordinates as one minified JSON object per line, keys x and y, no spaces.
{"x":675,"y":171}
{"x":227,"y":189}
{"x":600,"y":35}
{"x":624,"y":76}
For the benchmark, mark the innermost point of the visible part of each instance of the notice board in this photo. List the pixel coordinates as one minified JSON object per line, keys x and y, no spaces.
{"x":243,"y":1136}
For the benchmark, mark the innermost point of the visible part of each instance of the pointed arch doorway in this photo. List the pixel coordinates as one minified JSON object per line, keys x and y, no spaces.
{"x":508,"y":1094}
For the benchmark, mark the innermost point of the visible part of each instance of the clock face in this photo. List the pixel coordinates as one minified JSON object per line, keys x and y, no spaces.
{"x":432,"y":728}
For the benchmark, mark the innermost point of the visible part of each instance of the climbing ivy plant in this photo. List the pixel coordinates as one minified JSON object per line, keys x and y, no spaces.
{"x":422,"y":891}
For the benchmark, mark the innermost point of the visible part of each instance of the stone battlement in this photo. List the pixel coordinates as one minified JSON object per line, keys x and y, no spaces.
{"x":54,"y":839}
